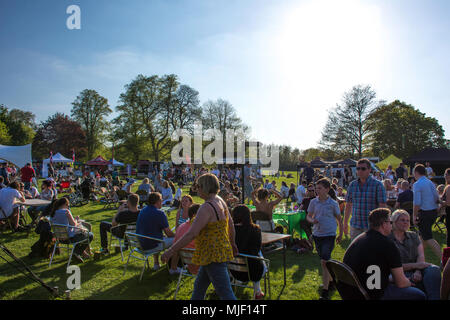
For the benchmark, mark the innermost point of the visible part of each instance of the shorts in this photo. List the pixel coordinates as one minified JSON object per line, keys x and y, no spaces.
{"x":426,"y":221}
{"x":266,"y":225}
{"x":324,"y":246}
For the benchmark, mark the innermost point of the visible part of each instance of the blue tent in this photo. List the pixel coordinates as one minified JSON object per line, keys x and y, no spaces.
{"x":116,"y":163}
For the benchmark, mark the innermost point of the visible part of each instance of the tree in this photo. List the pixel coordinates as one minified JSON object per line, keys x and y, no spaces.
{"x":187,"y":110}
{"x":59,"y":134}
{"x":19,"y":125}
{"x":221,"y":114}
{"x":401,"y":129}
{"x":90,"y":110}
{"x":348,"y":127}
{"x":5,"y":138}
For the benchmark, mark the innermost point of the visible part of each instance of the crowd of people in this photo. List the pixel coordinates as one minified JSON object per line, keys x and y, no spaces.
{"x":336,"y":204}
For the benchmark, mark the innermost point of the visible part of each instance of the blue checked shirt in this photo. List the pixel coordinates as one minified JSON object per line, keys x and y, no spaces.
{"x":364,"y":198}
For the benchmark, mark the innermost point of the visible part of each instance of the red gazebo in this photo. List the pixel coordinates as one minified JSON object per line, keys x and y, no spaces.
{"x":99,"y":161}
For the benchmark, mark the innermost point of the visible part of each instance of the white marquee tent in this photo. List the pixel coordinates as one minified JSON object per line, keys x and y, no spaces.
{"x":18,"y":155}
{"x":57,"y":158}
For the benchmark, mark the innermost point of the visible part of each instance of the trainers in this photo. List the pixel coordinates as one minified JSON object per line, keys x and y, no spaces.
{"x":176,"y":271}
{"x":156,"y":267}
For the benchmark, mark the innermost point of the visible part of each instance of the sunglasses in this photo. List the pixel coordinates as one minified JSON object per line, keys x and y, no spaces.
{"x":361,"y":168}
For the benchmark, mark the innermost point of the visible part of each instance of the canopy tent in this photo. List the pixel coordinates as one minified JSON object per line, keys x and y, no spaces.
{"x":116,"y":163}
{"x":318,"y":163}
{"x":99,"y":161}
{"x":57,"y":158}
{"x":439,"y":159}
{"x":18,"y":155}
{"x":391,"y":160}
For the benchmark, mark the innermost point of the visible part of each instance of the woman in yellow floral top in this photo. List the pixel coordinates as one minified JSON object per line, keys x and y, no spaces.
{"x":213,"y":231}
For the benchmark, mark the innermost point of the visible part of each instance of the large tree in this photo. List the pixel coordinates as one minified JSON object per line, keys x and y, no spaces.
{"x":60,"y":134}
{"x":90,"y":110}
{"x":187,"y":109}
{"x":19,"y":126}
{"x":348,"y":127}
{"x":403,"y":130}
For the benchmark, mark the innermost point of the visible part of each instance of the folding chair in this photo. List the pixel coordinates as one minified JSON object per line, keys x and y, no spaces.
{"x":347,"y":284}
{"x":108,"y":199}
{"x":185,"y":256}
{"x":64,"y":186}
{"x":143,"y":196}
{"x":122,"y":194}
{"x":440,"y":221}
{"x":128,"y":227}
{"x":61,"y":232}
{"x":5,"y":219}
{"x":240,"y":264}
{"x":135,"y":247}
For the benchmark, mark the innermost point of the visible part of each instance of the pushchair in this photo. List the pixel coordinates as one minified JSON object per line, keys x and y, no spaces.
{"x":77,"y":197}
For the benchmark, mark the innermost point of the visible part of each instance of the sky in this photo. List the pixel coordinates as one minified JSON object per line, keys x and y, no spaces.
{"x":282,"y":64}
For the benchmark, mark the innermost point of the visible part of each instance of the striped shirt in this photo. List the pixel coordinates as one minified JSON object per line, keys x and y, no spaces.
{"x":364,"y":198}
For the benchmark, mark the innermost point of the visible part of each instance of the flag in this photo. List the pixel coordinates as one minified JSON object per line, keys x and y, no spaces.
{"x":51,"y":157}
{"x":73,"y":155}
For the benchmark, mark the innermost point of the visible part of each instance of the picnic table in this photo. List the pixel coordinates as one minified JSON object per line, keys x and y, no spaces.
{"x":35,"y":202}
{"x":291,"y":219}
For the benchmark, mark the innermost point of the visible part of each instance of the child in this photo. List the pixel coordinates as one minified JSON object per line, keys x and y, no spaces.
{"x":177,"y":201}
{"x":323,"y":212}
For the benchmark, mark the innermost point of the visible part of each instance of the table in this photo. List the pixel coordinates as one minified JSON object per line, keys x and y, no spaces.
{"x":268,"y":237}
{"x":292,"y":219}
{"x":35,"y":202}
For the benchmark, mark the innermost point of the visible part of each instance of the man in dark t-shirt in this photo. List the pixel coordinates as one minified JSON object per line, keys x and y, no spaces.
{"x":373,"y":258}
{"x":308,"y":173}
{"x":126,"y":214}
{"x":407,"y":195}
{"x":401,"y":172}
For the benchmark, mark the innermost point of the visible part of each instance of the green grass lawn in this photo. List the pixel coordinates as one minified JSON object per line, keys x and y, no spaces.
{"x":103,"y":279}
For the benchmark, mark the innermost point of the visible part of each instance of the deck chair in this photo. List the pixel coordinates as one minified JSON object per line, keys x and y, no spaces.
{"x":135,"y":247}
{"x":347,"y":284}
{"x":185,"y":256}
{"x":240,"y":264}
{"x":61,"y":232}
{"x":127,"y":227}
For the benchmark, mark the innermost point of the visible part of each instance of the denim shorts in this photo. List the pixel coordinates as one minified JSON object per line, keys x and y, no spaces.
{"x":324,"y":246}
{"x":426,"y":221}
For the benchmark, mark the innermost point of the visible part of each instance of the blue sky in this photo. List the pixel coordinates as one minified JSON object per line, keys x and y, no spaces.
{"x":281,"y":63}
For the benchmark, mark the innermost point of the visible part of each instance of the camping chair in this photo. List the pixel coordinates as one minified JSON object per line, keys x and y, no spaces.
{"x":61,"y":232}
{"x":240,"y":264}
{"x":143,"y":196}
{"x":347,"y":284}
{"x":135,"y":246}
{"x":129,"y":227}
{"x":122,"y":194}
{"x":5,"y":219}
{"x":109,"y":200}
{"x":64,"y":186}
{"x":185,"y":256}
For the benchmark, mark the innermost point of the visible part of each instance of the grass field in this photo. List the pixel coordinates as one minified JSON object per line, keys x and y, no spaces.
{"x":103,"y":279}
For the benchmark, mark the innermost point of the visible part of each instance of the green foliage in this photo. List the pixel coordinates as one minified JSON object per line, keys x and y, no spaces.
{"x":90,"y":110}
{"x":401,"y":129}
{"x":5,"y":138}
{"x":19,"y":126}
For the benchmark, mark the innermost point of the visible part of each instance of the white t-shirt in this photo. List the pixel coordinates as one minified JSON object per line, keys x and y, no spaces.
{"x":300,"y":193}
{"x":7,"y":196}
{"x":429,"y":171}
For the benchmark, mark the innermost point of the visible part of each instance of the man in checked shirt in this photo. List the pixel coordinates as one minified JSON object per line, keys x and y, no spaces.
{"x":363,"y":195}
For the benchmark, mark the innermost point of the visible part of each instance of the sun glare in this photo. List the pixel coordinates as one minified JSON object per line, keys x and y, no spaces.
{"x":325,"y":47}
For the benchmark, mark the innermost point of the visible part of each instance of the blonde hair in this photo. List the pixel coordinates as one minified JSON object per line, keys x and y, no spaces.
{"x":208,"y":183}
{"x":397,"y":214}
{"x":145,"y":181}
